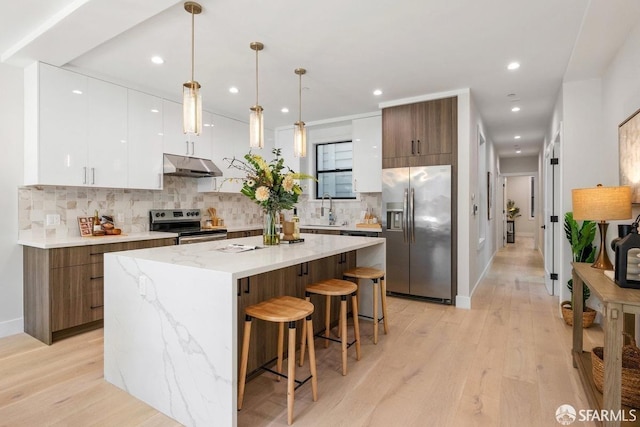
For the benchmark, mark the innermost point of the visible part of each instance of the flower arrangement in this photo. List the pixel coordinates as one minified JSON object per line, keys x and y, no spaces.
{"x":269,"y":184}
{"x":273,"y":186}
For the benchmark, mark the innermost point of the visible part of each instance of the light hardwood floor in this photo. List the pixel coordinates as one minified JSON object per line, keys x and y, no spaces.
{"x":505,"y":362}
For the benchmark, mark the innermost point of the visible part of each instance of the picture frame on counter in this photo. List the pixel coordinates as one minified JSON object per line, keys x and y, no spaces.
{"x":85,"y":225}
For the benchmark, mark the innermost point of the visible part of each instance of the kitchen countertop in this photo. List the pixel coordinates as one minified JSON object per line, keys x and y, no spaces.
{"x":207,"y":255}
{"x":312,"y":227}
{"x":69,"y":241}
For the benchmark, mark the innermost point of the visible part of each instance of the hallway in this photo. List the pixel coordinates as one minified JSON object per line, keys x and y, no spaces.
{"x":505,"y":362}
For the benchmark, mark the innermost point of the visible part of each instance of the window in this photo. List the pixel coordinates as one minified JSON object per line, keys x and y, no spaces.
{"x":334,"y":170}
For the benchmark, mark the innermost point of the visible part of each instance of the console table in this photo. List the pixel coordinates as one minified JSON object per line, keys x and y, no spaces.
{"x":615,"y":302}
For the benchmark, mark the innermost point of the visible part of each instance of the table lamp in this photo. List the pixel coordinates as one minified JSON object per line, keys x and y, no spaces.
{"x":601,"y":204}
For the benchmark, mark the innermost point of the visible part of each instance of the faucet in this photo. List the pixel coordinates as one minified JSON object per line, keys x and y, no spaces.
{"x":332,"y":220}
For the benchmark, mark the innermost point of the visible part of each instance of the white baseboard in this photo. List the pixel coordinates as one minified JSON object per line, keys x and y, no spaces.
{"x":463,"y":302}
{"x":11,"y":327}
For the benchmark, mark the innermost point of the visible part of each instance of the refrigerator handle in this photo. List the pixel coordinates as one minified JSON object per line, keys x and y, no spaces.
{"x":412,"y":216}
{"x":405,"y":212}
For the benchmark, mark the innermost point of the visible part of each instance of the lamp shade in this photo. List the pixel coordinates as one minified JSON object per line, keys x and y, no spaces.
{"x":601,"y":203}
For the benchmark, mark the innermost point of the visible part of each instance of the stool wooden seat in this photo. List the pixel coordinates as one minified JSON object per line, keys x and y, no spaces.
{"x":377,"y":276}
{"x":284,"y":309}
{"x":332,"y":288}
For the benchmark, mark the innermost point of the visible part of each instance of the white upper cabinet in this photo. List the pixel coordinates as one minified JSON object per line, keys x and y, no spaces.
{"x":75,"y":129}
{"x":177,"y":142}
{"x":56,"y":129}
{"x":107,"y":134}
{"x":367,"y":154}
{"x":230,"y":139}
{"x":145,"y":141}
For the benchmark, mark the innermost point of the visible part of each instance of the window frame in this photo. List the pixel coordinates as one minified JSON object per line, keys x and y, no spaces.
{"x":318,"y":195}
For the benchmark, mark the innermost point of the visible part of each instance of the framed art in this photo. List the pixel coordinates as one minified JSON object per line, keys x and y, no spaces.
{"x":629,"y":152}
{"x":85,"y":224}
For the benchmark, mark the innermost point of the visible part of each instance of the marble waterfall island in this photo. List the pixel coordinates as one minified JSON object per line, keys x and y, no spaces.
{"x":171,"y":314}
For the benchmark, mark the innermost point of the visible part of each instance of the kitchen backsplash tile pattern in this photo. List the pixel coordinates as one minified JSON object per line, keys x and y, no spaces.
{"x":52,"y":211}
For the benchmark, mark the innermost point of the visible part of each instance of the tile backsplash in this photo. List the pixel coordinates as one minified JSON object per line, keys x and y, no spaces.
{"x":51,"y":212}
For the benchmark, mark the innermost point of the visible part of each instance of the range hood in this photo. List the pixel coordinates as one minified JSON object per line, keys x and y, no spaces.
{"x":189,"y":166}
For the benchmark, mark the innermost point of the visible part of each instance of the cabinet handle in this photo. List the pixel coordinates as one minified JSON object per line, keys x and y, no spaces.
{"x":355,"y":184}
{"x":306,"y":270}
{"x":93,"y":175}
{"x":193,"y":148}
{"x":413,"y":147}
{"x":84,"y":175}
{"x":247,"y":290}
{"x":301,"y":273}
{"x":96,"y":277}
{"x":93,"y":307}
{"x":187,"y":142}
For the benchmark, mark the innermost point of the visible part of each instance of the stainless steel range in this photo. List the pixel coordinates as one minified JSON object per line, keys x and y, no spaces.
{"x":185,"y":222}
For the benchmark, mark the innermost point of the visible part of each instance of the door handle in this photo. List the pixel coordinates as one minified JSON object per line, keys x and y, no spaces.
{"x":412,"y":213}
{"x":405,"y":212}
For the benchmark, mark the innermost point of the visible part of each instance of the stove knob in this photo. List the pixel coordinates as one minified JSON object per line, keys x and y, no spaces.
{"x":162,"y":214}
{"x":196,"y":213}
{"x":157,"y":214}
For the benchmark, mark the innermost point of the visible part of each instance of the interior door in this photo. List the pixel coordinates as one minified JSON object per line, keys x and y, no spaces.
{"x":552,"y":231}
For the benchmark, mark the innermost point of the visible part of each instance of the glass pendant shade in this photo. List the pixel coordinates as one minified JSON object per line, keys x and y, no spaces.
{"x":256,"y":127}
{"x":299,"y":140}
{"x":191,"y":108}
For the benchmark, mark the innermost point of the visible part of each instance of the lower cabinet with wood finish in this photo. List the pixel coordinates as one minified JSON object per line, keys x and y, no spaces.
{"x":290,"y":281}
{"x":63,"y":287}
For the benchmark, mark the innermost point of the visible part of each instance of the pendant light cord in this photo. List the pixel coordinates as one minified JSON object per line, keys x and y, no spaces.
{"x":300,"y":97}
{"x":193,"y":49}
{"x":257,"y":76}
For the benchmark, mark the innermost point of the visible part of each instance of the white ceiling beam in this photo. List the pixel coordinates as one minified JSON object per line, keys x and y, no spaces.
{"x":79,"y":27}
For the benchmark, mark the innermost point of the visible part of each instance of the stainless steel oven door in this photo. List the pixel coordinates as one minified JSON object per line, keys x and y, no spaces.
{"x":185,"y":240}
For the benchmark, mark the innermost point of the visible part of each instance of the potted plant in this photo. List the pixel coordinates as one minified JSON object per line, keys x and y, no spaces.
{"x":513,"y":211}
{"x":581,"y":239}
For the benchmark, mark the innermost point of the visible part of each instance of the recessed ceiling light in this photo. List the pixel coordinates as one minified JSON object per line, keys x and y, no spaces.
{"x":285,"y":110}
{"x":513,"y":66}
{"x":155,"y":110}
{"x":516,"y":137}
{"x":157,"y":60}
{"x":515,"y":109}
{"x":377,"y":92}
{"x":233,"y":89}
{"x":77,"y":91}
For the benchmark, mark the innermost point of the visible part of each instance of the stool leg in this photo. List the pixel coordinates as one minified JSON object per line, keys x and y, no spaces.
{"x":376,"y":287}
{"x":280,"y":349}
{"x":291,"y":364}
{"x":343,"y":327}
{"x":383,"y":291}
{"x":304,"y":335}
{"x":244,"y":359}
{"x":356,"y":324}
{"x":327,"y":320}
{"x":312,"y":359}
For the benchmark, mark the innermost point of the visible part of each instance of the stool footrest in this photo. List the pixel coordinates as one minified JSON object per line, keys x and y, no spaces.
{"x":319,"y":335}
{"x":369,"y":317}
{"x":298,"y":382}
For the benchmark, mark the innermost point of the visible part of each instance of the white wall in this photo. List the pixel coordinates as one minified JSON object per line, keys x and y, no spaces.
{"x":525,"y":164}
{"x":11,"y":173}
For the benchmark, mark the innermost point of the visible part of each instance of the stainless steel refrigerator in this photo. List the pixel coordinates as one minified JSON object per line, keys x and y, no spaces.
{"x":416,"y":221}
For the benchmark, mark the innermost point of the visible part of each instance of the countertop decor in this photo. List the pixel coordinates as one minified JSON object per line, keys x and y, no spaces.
{"x":272,"y":186}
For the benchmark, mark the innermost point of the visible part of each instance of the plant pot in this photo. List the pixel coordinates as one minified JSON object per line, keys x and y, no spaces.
{"x":588,"y":315}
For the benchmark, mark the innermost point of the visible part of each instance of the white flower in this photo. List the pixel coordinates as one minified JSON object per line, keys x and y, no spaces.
{"x":251,"y":183}
{"x":288,"y":183}
{"x":262,"y":194}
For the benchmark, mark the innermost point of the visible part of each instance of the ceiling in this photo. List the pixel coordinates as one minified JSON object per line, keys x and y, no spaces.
{"x":350,"y":48}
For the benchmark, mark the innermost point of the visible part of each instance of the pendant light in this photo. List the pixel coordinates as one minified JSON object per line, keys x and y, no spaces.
{"x":299,"y":132}
{"x":256,"y":121}
{"x":191,"y":99}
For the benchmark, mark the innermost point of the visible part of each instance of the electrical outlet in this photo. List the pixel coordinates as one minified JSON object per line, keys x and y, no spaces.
{"x":142,"y":285}
{"x":53,"y":219}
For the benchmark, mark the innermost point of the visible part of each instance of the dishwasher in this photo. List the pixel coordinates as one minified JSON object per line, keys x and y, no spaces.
{"x":360,"y":233}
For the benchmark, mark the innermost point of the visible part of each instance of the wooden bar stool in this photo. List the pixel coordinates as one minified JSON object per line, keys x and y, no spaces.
{"x":335,"y":288}
{"x":374,"y":275}
{"x":282,"y":310}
